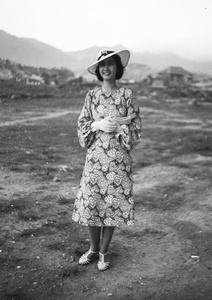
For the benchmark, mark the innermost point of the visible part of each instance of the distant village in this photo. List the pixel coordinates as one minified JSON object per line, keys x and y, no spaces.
{"x":10,"y":71}
{"x":173,"y":76}
{"x":177,"y":76}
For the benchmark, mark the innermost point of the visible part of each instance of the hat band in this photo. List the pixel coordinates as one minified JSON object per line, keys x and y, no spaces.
{"x":104,"y":53}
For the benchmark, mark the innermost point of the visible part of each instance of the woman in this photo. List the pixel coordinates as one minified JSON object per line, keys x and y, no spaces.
{"x":109,"y":126}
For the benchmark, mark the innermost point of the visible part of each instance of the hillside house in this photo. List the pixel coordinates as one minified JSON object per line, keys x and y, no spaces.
{"x":32,"y":80}
{"x":154,"y":80}
{"x":5,"y":74}
{"x":36,"y":80}
{"x":202,"y":81}
{"x":172,"y":76}
{"x":71,"y":81}
{"x":175,"y":76}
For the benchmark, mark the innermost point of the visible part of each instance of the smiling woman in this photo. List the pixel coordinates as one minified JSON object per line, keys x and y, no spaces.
{"x":105,"y":197}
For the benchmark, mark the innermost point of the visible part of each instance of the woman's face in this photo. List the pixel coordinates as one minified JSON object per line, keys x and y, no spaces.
{"x":108,"y":69}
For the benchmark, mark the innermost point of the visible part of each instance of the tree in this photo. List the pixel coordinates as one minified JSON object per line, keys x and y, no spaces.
{"x":46,"y":77}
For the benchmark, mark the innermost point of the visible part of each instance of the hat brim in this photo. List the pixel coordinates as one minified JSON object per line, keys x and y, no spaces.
{"x":124,"y":55}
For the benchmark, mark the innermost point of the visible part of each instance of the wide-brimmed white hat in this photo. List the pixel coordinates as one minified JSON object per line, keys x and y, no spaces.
{"x":124,"y":55}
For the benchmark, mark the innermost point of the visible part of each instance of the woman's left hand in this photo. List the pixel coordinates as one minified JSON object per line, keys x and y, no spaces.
{"x":114,"y":125}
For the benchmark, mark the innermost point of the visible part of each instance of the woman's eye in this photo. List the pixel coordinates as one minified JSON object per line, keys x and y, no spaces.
{"x":110,"y":63}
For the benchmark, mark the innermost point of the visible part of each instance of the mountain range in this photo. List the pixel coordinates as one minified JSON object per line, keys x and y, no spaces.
{"x":32,"y":52}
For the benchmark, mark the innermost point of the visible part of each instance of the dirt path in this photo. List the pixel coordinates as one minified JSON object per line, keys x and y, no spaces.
{"x":191,"y":124}
{"x":48,"y":115}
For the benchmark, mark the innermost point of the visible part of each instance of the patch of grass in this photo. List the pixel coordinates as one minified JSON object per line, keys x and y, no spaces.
{"x":64,"y":200}
{"x":3,"y":260}
{"x":71,"y":272}
{"x":59,"y":246}
{"x":180,"y":165}
{"x":2,"y":242}
{"x":12,"y":205}
{"x":202,"y":142}
{"x":63,"y":213}
{"x":5,"y":207}
{"x":141,"y":164}
{"x":81,"y":247}
{"x":166,"y":144}
{"x":50,"y":227}
{"x":165,"y":198}
{"x":63,"y":225}
{"x":37,"y":231}
{"x":29,"y":215}
{"x":139,"y":234}
{"x":203,"y":172}
{"x":16,"y":296}
{"x":150,"y":230}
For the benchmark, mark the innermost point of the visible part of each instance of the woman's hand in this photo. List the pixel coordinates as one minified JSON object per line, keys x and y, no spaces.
{"x":106,"y":125}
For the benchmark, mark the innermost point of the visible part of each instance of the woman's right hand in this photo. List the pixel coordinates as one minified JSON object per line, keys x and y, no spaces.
{"x":105,"y":125}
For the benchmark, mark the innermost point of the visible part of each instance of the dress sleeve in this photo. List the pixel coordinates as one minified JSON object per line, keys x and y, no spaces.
{"x":85,"y":134}
{"x":130,"y":135}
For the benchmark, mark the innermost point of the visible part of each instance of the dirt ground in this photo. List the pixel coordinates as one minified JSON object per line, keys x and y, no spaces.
{"x":165,"y":256}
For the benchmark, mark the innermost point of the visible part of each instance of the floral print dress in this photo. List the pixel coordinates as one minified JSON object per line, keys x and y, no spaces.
{"x":105,"y":195}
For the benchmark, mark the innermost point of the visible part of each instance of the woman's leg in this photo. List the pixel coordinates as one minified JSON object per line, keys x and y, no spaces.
{"x":94,"y":235}
{"x":107,"y":234}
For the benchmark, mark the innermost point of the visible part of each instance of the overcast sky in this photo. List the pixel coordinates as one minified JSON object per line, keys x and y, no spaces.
{"x":180,"y":26}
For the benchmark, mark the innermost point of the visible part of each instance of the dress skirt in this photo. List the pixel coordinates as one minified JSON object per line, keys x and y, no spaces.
{"x":105,"y":194}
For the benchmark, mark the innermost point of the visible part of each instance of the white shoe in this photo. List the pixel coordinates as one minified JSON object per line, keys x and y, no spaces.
{"x":102,"y":265}
{"x":85,"y":260}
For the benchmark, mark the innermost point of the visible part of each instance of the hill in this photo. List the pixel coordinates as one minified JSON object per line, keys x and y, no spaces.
{"x":32,"y":52}
{"x":163,"y":60}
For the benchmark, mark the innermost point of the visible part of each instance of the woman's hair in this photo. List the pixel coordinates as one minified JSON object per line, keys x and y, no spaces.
{"x":119,"y":66}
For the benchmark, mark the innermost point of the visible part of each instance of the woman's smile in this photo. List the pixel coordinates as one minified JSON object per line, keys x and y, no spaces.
{"x":106,"y":73}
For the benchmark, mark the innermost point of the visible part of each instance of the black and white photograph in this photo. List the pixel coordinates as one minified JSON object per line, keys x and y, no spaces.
{"x":106,"y":150}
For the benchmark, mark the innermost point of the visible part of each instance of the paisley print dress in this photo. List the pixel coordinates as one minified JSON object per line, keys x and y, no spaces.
{"x":105,"y":195}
